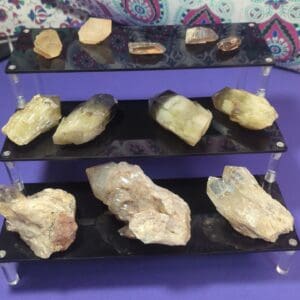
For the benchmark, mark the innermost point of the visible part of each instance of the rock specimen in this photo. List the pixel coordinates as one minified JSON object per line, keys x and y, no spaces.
{"x":200,"y":35}
{"x":146,"y":48}
{"x":153,"y":214}
{"x":187,"y":119}
{"x":48,"y":44}
{"x":248,"y":208}
{"x":86,"y":121}
{"x":38,"y":116}
{"x":250,"y":111}
{"x":45,"y":221}
{"x":229,"y":44}
{"x":94,"y":31}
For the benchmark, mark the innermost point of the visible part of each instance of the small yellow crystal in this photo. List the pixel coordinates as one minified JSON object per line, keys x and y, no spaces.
{"x":38,"y":116}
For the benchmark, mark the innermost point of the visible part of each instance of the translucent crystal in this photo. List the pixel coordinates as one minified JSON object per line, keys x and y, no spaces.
{"x":200,"y":35}
{"x":187,"y":119}
{"x":95,"y":30}
{"x":146,"y":48}
{"x":153,"y":214}
{"x":249,"y":209}
{"x":86,"y":121}
{"x":45,"y":221}
{"x":249,"y":110}
{"x":38,"y":116}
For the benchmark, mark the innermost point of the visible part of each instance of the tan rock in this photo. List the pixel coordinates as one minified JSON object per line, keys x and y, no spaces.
{"x":146,"y":48}
{"x":45,"y":221}
{"x":249,"y":209}
{"x":38,"y":116}
{"x":153,"y":214}
{"x":200,"y":35}
{"x":95,"y":30}
{"x":48,"y":44}
{"x":229,"y":44}
{"x":248,"y":110}
{"x":86,"y":121}
{"x":187,"y":119}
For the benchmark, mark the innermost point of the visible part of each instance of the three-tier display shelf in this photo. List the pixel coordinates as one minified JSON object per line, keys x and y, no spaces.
{"x":132,"y":133}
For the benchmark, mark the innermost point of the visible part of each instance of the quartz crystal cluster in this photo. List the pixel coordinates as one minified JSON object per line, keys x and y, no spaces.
{"x":45,"y":221}
{"x":152,"y":214}
{"x":187,"y":119}
{"x":38,"y":116}
{"x":86,"y":121}
{"x":249,"y":209}
{"x":248,"y":110}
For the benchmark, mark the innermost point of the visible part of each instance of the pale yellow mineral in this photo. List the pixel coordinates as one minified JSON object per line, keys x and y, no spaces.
{"x":249,"y":209}
{"x":48,"y":44}
{"x":187,"y":119}
{"x":146,"y":48}
{"x":86,"y":121}
{"x":95,"y":30}
{"x":248,"y":110}
{"x":39,"y":115}
{"x":200,"y":35}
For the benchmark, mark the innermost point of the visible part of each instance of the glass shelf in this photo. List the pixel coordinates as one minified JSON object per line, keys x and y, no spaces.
{"x":112,"y":54}
{"x":97,"y":235}
{"x":132,"y":133}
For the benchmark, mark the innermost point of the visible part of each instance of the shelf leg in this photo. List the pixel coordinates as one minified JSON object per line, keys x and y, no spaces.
{"x":285,"y":262}
{"x":10,"y":273}
{"x":270,"y":176}
{"x":265,"y":73}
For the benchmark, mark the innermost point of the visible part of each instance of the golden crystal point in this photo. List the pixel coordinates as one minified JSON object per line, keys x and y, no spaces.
{"x":249,"y":209}
{"x":249,"y":110}
{"x":200,"y":35}
{"x":86,"y":121}
{"x":151,"y":213}
{"x":39,"y":115}
{"x":146,"y":48}
{"x":47,"y":44}
{"x":185,"y":118}
{"x":229,"y":44}
{"x":94,"y":31}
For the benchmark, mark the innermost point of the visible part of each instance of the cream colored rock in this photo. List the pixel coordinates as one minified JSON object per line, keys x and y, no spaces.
{"x":94,"y":31}
{"x":45,"y":221}
{"x":200,"y":35}
{"x":153,"y":214}
{"x":248,"y":110}
{"x":187,"y":119}
{"x":86,"y":121}
{"x":48,"y":44}
{"x":146,"y":48}
{"x":249,"y":209}
{"x":39,"y":115}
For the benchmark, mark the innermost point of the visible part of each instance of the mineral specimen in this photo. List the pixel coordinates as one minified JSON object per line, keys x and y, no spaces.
{"x":250,"y":111}
{"x":248,"y":208}
{"x":146,"y":48}
{"x":200,"y":35}
{"x":229,"y":44}
{"x":86,"y":121}
{"x":45,"y":221}
{"x":48,"y":44}
{"x":187,"y":119}
{"x":95,"y":30}
{"x":153,"y":214}
{"x":38,"y":116}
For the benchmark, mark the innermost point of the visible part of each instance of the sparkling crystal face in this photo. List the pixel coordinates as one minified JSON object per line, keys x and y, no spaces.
{"x":229,"y":44}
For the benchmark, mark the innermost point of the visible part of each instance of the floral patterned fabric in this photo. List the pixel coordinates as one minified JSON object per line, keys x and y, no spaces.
{"x":279,"y":19}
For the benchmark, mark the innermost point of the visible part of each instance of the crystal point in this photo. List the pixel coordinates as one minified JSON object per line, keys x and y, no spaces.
{"x":200,"y":35}
{"x":146,"y":48}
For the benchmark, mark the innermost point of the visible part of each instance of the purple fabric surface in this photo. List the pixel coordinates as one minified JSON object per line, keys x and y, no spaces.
{"x":207,"y":277}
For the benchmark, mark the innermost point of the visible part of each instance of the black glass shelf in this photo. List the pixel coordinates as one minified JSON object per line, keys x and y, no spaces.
{"x":112,"y":54}
{"x":97,"y":236}
{"x":132,"y":133}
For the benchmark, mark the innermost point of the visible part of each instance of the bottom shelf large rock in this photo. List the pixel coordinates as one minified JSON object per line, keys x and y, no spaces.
{"x":45,"y":221}
{"x":248,"y":208}
{"x":153,"y":214}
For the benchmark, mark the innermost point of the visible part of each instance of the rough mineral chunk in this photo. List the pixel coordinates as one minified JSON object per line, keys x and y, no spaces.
{"x":86,"y":121}
{"x":94,"y":31}
{"x":153,"y":214}
{"x":248,"y":208}
{"x":146,"y":48}
{"x":45,"y":221}
{"x":187,"y":119}
{"x":38,"y":116}
{"x":200,"y":35}
{"x":248,"y":110}
{"x":229,"y":44}
{"x":48,"y":44}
